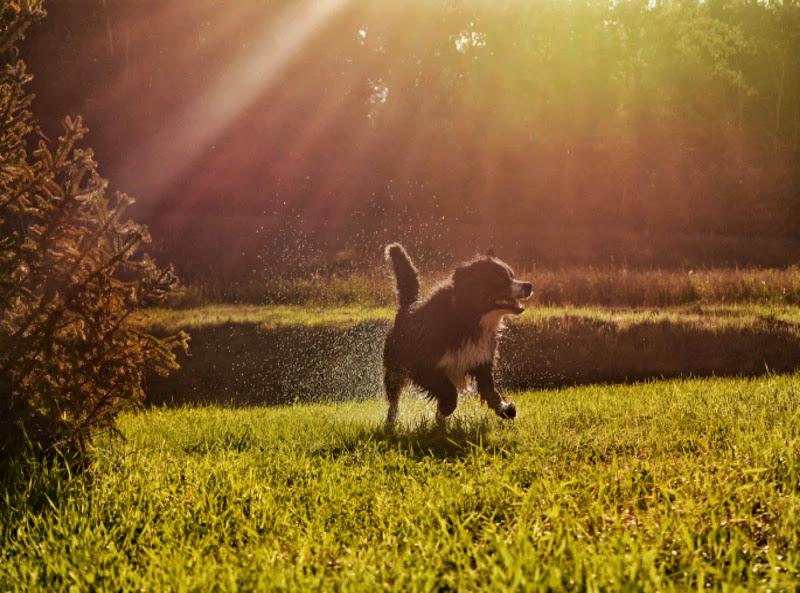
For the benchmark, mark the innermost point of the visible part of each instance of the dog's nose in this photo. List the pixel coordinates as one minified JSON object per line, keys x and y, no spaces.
{"x":527,"y":289}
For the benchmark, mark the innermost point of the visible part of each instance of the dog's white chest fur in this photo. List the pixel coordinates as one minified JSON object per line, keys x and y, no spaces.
{"x":472,"y":353}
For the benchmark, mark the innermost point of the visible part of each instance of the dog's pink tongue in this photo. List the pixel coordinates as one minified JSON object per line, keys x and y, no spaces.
{"x":513,"y":306}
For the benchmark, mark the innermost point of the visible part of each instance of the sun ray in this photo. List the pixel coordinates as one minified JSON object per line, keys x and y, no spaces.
{"x":171,"y":150}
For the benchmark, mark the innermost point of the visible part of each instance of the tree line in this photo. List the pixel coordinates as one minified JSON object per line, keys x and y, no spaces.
{"x":423,"y":120}
{"x":655,"y":115}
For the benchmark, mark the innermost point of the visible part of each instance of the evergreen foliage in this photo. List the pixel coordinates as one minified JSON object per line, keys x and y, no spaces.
{"x":69,"y":359}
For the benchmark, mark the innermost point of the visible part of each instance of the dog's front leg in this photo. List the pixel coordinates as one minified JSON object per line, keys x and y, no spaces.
{"x":488,"y":392}
{"x":442,"y":390}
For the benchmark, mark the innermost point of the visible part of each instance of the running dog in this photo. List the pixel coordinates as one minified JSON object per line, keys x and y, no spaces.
{"x":451,"y":336}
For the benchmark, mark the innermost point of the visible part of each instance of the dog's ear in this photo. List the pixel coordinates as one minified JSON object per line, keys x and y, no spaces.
{"x":460,"y":276}
{"x":490,"y":252}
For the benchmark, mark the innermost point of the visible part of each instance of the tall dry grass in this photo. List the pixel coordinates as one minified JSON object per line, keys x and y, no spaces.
{"x":579,"y":286}
{"x":664,"y":288}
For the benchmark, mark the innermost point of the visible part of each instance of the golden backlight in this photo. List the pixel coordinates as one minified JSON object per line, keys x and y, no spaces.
{"x":508,"y":122}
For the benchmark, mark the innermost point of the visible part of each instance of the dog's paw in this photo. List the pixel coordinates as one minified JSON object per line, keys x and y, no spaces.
{"x":507,"y":410}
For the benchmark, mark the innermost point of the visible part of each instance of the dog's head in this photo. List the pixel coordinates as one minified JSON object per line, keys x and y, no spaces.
{"x":488,"y":285}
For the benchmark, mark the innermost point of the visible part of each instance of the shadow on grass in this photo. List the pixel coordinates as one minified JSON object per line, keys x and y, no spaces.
{"x":459,"y":438}
{"x":577,"y":350}
{"x":33,"y":484}
{"x":244,"y":364}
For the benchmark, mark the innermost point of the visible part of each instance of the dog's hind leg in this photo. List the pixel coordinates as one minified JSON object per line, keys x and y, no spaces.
{"x":487,"y":390}
{"x":394,"y":382}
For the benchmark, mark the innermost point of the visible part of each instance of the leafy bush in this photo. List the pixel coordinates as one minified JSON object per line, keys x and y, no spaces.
{"x":69,"y":359}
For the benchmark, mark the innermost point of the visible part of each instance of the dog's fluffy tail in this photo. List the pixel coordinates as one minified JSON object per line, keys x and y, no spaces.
{"x":406,"y":274}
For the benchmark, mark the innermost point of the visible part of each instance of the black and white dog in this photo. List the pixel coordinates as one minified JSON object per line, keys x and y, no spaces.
{"x":440,"y":342}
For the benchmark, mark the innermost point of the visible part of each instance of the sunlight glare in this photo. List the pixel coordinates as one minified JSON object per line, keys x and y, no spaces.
{"x":172,"y":150}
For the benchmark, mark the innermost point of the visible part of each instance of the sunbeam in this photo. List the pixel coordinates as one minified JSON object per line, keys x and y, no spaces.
{"x":173,"y":148}
{"x":362,"y":121}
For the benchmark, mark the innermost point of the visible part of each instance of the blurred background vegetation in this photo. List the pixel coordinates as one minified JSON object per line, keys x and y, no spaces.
{"x":274,"y":139}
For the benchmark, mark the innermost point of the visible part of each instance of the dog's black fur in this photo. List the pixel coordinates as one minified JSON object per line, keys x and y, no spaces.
{"x":440,"y":342}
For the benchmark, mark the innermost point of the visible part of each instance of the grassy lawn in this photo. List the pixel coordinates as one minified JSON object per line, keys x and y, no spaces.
{"x":275,"y":316}
{"x":264,"y":316}
{"x":669,"y":485}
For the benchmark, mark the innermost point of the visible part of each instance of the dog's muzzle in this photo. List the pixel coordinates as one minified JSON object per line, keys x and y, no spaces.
{"x":521,"y":290}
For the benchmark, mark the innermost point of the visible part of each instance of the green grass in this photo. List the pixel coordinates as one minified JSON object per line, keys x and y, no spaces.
{"x":717,"y":316}
{"x":263,"y":316}
{"x":277,"y":316}
{"x":674,"y":485}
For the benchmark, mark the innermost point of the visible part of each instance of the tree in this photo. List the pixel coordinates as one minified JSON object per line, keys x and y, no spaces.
{"x":70,"y":281}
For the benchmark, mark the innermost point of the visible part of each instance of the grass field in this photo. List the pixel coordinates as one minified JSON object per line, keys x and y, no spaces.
{"x":717,"y":316}
{"x":659,"y":486}
{"x":248,"y":354}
